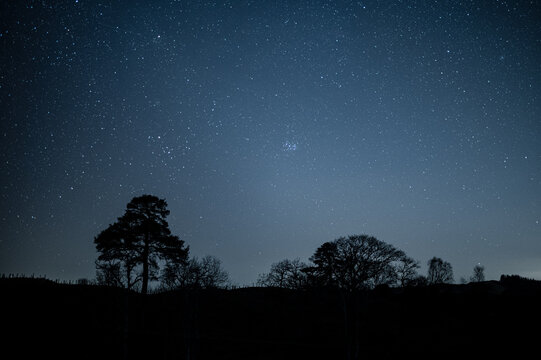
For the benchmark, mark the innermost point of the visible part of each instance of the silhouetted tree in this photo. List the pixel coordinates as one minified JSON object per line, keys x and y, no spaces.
{"x":325,"y":260}
{"x":439,"y":272}
{"x":386,"y":277}
{"x":176,"y":275}
{"x":118,"y":259}
{"x":136,"y":242}
{"x":355,"y":262}
{"x":286,"y":274}
{"x":195,"y":274}
{"x":211,"y":273}
{"x":109,"y":273}
{"x":406,"y":270}
{"x":478,"y":274}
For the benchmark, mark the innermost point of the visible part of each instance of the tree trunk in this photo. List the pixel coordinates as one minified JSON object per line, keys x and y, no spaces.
{"x":128,"y":277}
{"x":145,"y":265}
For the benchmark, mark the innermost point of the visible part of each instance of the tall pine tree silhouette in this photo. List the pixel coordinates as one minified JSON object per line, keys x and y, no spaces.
{"x":139,"y":239}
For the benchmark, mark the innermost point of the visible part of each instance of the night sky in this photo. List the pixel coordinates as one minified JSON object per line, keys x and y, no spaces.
{"x":271,"y":127}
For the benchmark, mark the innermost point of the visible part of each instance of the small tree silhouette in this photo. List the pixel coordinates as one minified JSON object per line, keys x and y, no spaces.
{"x":406,"y":270}
{"x":478,"y":274}
{"x":439,"y":272}
{"x":286,"y":274}
{"x":200,"y":274}
{"x":324,"y":270}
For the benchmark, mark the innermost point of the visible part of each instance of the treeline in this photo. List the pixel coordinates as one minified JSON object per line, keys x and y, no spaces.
{"x":359,"y":262}
{"x":139,"y":249}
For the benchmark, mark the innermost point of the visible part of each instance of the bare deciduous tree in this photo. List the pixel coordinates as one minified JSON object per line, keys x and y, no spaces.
{"x":478,"y":274}
{"x":212,"y":275}
{"x":201,"y":274}
{"x":286,"y":274}
{"x":406,"y":270}
{"x":109,"y":273}
{"x":439,"y":271}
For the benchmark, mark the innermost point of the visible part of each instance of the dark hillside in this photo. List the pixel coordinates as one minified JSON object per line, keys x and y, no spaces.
{"x":81,"y":321}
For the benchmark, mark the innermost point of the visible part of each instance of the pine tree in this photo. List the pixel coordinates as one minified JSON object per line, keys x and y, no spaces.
{"x":138,"y":240}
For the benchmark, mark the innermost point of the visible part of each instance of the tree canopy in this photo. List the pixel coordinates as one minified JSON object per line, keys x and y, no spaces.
{"x":356,"y":262}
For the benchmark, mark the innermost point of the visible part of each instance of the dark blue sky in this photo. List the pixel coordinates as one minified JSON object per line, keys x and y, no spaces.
{"x":271,"y":127}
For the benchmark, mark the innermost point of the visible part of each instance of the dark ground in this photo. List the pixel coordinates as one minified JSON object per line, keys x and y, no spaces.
{"x":44,"y":319}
